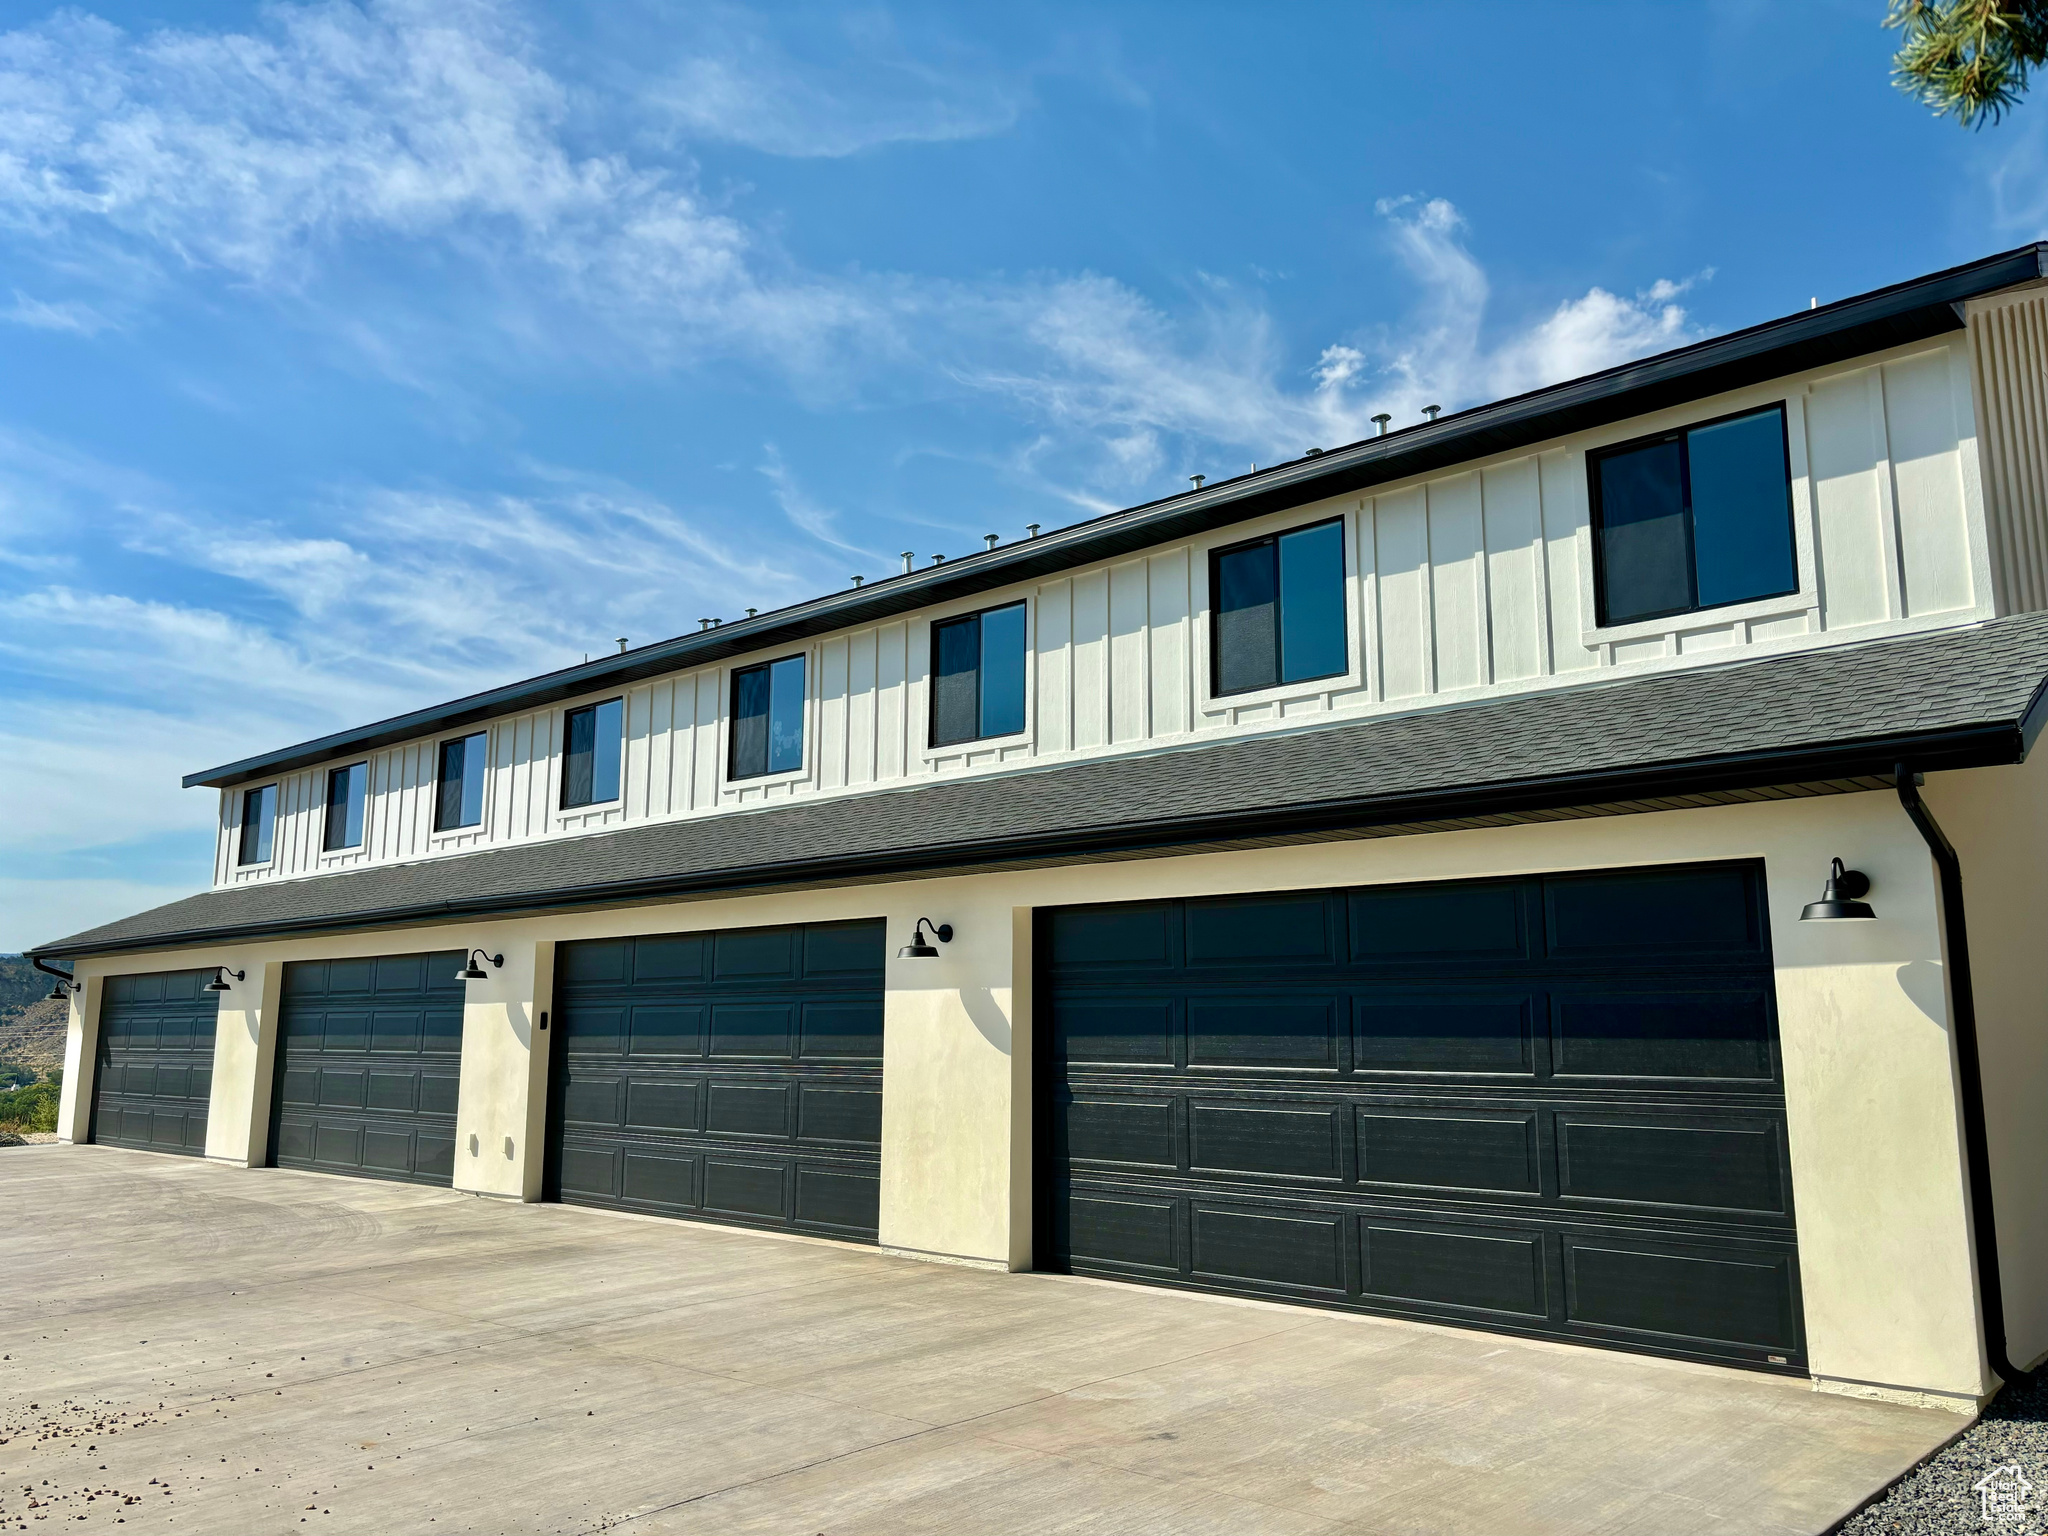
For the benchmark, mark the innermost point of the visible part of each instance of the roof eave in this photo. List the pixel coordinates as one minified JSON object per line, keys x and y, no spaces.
{"x":1976,"y":746}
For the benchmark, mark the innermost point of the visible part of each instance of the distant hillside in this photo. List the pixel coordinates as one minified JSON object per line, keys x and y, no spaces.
{"x":33,"y":1036}
{"x":31,"y":1025}
{"x":20,"y":983}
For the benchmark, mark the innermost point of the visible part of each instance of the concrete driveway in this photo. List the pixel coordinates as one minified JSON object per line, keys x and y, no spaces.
{"x":191,"y":1347}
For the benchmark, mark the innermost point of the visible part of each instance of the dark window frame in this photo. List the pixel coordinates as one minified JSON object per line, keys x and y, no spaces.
{"x":242,"y":850}
{"x":1678,"y":434}
{"x":732,"y":716}
{"x":591,"y":709}
{"x":441,"y":781}
{"x":1216,"y":556}
{"x":327,"y":842}
{"x":931,"y":733}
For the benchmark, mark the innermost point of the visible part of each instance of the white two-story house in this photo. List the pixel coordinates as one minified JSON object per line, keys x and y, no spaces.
{"x":1391,"y":881}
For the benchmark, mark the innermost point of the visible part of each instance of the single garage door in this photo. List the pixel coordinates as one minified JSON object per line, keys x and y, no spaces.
{"x":369,"y":1059}
{"x":1546,"y":1106}
{"x":732,"y":1076}
{"x":153,"y":1070}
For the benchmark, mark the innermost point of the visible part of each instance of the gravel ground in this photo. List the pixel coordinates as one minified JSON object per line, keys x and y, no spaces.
{"x":27,"y":1138}
{"x":1939,"y":1496}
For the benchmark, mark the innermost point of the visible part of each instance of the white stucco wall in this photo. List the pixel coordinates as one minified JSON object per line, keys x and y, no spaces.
{"x":1879,"y":1190}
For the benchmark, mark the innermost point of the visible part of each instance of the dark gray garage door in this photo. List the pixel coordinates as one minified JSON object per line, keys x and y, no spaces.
{"x":732,"y":1076}
{"x":369,"y":1059}
{"x":1548,"y":1106}
{"x":154,"y":1067}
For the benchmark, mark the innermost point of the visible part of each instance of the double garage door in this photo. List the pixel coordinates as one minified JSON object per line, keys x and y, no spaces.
{"x":1547,"y":1106}
{"x":732,"y":1076}
{"x":153,"y":1070}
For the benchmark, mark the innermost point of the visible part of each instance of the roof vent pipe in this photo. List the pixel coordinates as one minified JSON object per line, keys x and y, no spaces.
{"x":1381,"y":421}
{"x":1431,"y":410}
{"x":703,"y":624}
{"x":938,"y":559}
{"x":1196,"y":480}
{"x":622,"y":645}
{"x":858,"y":580}
{"x":1032,"y":529}
{"x":989,"y":539}
{"x":909,"y":559}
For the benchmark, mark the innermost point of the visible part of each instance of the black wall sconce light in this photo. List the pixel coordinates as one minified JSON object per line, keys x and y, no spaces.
{"x":475,"y":972}
{"x":66,"y":985}
{"x":220,"y":981}
{"x":920,"y":945}
{"x":1841,"y":899}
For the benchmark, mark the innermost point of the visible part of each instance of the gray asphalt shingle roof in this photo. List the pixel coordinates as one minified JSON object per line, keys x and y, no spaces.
{"x":1955,"y":698}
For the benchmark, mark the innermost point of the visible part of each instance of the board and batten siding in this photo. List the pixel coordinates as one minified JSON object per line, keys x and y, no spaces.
{"x":1461,"y":585}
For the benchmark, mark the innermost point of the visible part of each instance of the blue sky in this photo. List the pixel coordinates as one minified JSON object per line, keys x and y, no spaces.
{"x":354,"y":357}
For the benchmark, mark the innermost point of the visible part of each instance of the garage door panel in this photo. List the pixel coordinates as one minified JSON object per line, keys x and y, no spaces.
{"x":734,"y":1076}
{"x":1269,"y":1247}
{"x":1291,"y":1143}
{"x":848,"y":1031}
{"x":1429,"y":925}
{"x":1551,"y":1105}
{"x":1135,"y":1132}
{"x":1111,"y":1232}
{"x":1705,"y":1033}
{"x":1748,"y":1300}
{"x":656,"y":1105}
{"x":1258,"y":931}
{"x":850,"y":1115}
{"x":1477,"y":1153}
{"x":842,"y":1199}
{"x":763,"y":1030}
{"x":370,"y":1053}
{"x":1115,"y":1029}
{"x":1110,"y":939}
{"x":653,"y":1179}
{"x":591,"y":1171}
{"x":1728,"y":1164}
{"x":1471,"y":1270}
{"x":153,"y":1063}
{"x":1421,"y":1032}
{"x":1655,"y":917}
{"x":748,"y":1109}
{"x":665,"y":1029}
{"x":1263,"y":1031}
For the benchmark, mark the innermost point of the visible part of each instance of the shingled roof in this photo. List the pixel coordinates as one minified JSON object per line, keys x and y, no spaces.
{"x":1827,"y":720}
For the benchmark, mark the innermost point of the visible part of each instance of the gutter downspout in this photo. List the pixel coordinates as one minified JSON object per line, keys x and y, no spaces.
{"x":1963,"y":1008}
{"x":51,"y":970}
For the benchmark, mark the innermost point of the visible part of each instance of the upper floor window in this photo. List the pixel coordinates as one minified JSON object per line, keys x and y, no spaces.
{"x":768,"y":718}
{"x":1694,"y":518}
{"x":1279,"y":606}
{"x":259,"y":822}
{"x":460,"y":799}
{"x":348,"y":790}
{"x":590,"y":766}
{"x":978,"y":675}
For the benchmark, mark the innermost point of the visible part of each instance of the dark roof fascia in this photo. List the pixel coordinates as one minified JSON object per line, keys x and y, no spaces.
{"x":1856,"y":327}
{"x":1978,"y":746}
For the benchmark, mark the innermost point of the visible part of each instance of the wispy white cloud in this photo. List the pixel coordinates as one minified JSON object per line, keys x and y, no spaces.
{"x":741,"y":84}
{"x":82,"y":319}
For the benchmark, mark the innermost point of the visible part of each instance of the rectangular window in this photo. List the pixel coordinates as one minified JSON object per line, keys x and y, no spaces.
{"x":259,"y":820}
{"x":460,"y":802}
{"x":347,"y":791}
{"x":978,"y":676}
{"x":1694,"y":519}
{"x":590,"y":766}
{"x":768,"y":718}
{"x":1279,"y":604}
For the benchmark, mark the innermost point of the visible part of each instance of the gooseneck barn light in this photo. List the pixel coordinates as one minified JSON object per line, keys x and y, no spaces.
{"x":475,"y":972}
{"x":1841,"y":899}
{"x":220,"y":981}
{"x":920,"y":945}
